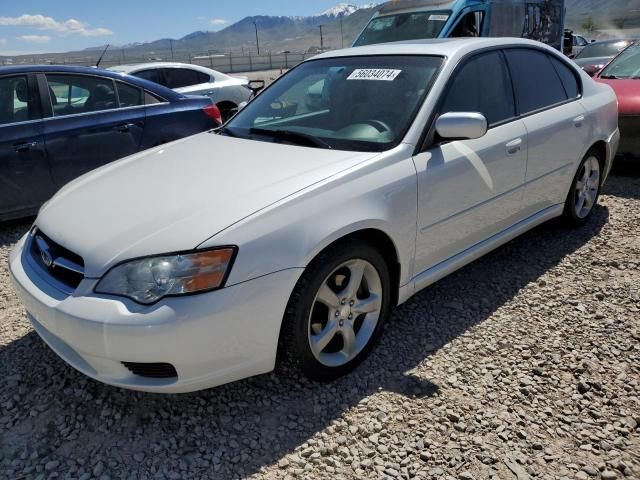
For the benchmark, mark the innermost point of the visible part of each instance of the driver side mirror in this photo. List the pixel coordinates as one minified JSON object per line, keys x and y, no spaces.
{"x":461,"y":125}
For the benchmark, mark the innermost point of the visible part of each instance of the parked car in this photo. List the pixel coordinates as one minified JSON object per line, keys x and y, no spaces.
{"x":57,"y":123}
{"x":398,"y":20}
{"x":323,"y":221}
{"x":596,"y":55}
{"x":226,"y":92}
{"x":573,"y":44}
{"x":623,"y":75}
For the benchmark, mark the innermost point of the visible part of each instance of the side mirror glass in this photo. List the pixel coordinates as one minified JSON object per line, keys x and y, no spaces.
{"x":461,"y":125}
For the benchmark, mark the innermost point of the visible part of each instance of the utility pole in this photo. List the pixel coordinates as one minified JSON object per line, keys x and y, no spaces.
{"x":341,"y":32}
{"x":321,"y":39}
{"x":171,"y":45}
{"x":255,"y":24}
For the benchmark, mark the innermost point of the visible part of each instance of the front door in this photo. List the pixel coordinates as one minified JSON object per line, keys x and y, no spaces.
{"x":469,"y":190}
{"x":25,"y":180}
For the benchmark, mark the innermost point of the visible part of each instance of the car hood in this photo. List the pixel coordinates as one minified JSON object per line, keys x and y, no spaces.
{"x":174,"y":197}
{"x":628,"y":93}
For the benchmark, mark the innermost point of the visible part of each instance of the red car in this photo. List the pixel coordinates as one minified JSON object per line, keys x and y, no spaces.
{"x":623,"y":75}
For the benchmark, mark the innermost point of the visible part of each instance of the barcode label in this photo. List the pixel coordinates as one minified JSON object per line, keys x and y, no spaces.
{"x":383,"y":74}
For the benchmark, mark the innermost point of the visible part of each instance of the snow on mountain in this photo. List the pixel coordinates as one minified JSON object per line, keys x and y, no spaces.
{"x":344,"y":9}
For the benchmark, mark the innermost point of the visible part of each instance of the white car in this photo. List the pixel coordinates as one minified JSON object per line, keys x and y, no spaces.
{"x":227,"y":92}
{"x":293,"y":233}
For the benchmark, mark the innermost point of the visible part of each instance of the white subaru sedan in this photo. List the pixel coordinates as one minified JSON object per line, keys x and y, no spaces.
{"x":293,"y":231}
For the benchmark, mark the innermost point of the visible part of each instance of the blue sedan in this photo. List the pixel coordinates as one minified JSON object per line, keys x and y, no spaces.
{"x":57,"y":123}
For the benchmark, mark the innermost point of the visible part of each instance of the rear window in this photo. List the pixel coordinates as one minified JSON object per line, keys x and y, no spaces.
{"x":603,"y":49}
{"x":153,"y":75}
{"x":184,"y":77}
{"x":535,"y":81}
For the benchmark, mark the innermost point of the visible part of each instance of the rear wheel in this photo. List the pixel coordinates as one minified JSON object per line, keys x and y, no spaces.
{"x":585,"y":189}
{"x":337,"y":311}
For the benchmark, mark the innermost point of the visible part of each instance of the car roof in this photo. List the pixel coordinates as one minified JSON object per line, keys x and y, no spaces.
{"x":135,"y":67}
{"x":164,"y":92}
{"x":447,"y":47}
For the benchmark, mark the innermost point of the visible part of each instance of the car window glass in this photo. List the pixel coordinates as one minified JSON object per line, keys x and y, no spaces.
{"x":482,"y":85}
{"x":16,"y":101}
{"x":129,"y":95}
{"x":602,"y":49}
{"x":181,"y":77}
{"x":150,"y":99}
{"x":204,"y":78}
{"x":72,"y":94}
{"x":568,"y":78}
{"x":625,"y":65}
{"x":535,"y":81}
{"x":153,"y":75}
{"x":403,"y":26}
{"x":469,"y":26}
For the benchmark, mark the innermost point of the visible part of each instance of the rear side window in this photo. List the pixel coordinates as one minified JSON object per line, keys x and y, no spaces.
{"x":71,"y":94}
{"x":129,"y":95}
{"x":183,"y":77}
{"x":16,"y":102}
{"x":535,"y":81}
{"x":567,"y":77}
{"x":153,"y":75}
{"x":482,"y":85}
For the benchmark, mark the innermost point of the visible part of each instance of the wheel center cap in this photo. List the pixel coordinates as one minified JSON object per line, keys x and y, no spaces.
{"x":345,"y":311}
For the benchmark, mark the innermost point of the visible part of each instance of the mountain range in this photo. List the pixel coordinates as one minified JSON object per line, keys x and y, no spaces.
{"x":339,"y":26}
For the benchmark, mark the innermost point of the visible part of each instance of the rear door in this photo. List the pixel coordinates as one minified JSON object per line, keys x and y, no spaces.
{"x":91,"y":121}
{"x":25,"y":180}
{"x":547,"y":93}
{"x":469,"y":190}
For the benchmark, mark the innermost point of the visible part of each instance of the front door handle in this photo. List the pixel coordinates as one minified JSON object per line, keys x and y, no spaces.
{"x":578,"y":121}
{"x":514,"y":146}
{"x":25,"y":147}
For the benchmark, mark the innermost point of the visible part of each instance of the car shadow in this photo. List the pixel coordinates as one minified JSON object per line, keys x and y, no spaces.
{"x":237,"y":429}
{"x":12,"y":230}
{"x":624,"y":181}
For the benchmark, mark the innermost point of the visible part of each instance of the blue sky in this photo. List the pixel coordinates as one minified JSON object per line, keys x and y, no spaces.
{"x":31,"y":26}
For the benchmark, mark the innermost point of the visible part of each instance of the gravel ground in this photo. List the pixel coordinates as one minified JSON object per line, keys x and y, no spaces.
{"x":532,"y":372}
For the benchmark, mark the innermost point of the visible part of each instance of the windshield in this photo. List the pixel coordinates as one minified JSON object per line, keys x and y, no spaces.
{"x":403,"y":26}
{"x":625,"y":65}
{"x":603,"y":49}
{"x":346,"y":103}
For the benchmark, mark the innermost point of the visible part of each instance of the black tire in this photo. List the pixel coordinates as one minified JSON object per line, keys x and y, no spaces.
{"x":295,"y":345}
{"x":570,"y":214}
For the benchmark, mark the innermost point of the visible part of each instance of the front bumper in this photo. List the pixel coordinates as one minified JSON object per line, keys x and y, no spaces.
{"x":210,"y":339}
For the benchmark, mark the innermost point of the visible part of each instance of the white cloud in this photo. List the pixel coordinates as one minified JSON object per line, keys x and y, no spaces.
{"x":67,"y":27}
{"x":35,"y":38}
{"x":218,"y":21}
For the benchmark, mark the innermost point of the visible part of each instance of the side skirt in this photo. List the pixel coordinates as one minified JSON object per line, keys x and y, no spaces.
{"x":444,"y":268}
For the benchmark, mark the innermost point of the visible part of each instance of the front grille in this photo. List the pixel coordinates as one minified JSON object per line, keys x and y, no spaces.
{"x":629,"y":135}
{"x":59,"y":263}
{"x":152,"y":370}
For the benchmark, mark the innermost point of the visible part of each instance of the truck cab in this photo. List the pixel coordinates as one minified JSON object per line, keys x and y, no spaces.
{"x":541,"y":20}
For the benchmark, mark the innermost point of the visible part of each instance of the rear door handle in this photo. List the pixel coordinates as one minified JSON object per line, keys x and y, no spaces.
{"x":25,"y":147}
{"x":514,"y":146}
{"x":125,"y":127}
{"x":578,"y":121}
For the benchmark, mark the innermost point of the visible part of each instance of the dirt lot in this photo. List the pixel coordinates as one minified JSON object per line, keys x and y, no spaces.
{"x":525,"y":364}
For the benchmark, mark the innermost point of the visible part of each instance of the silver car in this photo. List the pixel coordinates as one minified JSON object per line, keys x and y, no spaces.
{"x":227,"y":92}
{"x":294,"y":230}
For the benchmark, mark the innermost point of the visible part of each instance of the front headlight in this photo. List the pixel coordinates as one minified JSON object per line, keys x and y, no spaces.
{"x":147,"y":280}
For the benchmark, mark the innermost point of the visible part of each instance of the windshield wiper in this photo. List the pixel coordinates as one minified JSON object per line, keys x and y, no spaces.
{"x":613,"y":77}
{"x":295,"y":137}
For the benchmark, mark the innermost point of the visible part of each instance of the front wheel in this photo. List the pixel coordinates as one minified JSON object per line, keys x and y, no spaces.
{"x":585,"y":189}
{"x":337,"y":311}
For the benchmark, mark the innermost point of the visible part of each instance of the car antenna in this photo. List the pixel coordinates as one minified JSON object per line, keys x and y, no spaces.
{"x":103,"y":52}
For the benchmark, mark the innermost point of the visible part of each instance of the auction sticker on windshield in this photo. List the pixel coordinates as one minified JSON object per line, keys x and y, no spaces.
{"x":438,"y":18}
{"x":384,"y":74}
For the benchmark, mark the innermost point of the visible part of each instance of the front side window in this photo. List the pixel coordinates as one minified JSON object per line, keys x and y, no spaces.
{"x":72,"y":94}
{"x":403,"y":26}
{"x":16,"y":102}
{"x":348,"y":103}
{"x":182,"y":77}
{"x":535,"y":81}
{"x":482,"y":85}
{"x":625,"y":65}
{"x":470,"y":25}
